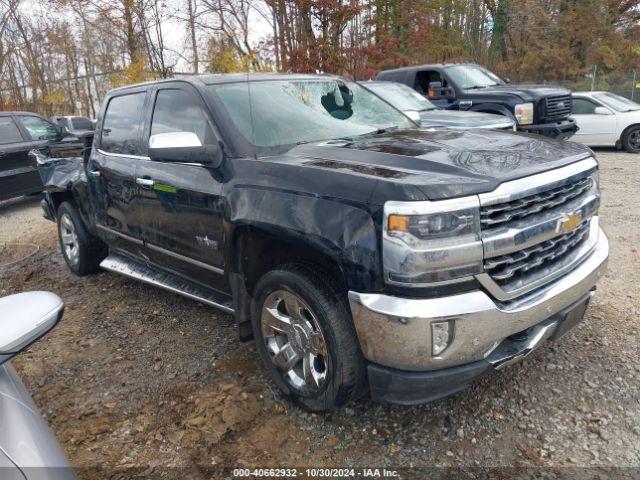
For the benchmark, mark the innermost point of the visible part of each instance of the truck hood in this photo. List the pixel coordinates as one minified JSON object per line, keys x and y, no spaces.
{"x":462,"y":119}
{"x":525,"y":92}
{"x":434,"y":163}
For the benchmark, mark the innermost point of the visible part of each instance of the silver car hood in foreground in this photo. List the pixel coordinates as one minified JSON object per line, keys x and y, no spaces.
{"x":464,"y":119}
{"x":25,"y":439}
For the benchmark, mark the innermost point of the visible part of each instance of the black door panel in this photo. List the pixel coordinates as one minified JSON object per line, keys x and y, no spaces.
{"x":118,"y":212}
{"x":111,"y":173}
{"x":18,"y":173}
{"x":183,"y":226}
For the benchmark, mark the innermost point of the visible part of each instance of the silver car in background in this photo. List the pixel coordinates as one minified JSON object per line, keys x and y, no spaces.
{"x":421,"y":110}
{"x":74,"y":124}
{"x":28,"y":449}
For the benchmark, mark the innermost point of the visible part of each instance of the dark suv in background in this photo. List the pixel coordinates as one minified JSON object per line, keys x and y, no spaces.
{"x":540,"y":109}
{"x":21,"y":132}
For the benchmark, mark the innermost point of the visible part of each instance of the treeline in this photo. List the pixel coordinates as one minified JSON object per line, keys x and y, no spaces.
{"x":61,"y":56}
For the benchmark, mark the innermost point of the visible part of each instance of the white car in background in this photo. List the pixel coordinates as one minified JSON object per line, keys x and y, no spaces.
{"x":606,"y":120}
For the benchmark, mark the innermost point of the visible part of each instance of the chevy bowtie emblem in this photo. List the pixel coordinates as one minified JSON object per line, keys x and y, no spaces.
{"x":570,"y":223}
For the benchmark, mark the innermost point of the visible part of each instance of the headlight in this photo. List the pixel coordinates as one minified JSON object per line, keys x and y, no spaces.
{"x":524,"y":113}
{"x":431,"y":242}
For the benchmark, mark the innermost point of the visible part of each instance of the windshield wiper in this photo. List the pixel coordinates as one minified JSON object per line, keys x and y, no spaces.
{"x":351,"y":138}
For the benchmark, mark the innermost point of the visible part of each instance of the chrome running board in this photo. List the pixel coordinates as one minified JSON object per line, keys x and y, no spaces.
{"x":132,"y":269}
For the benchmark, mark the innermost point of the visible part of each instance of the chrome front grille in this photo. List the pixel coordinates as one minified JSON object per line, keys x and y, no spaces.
{"x":537,"y":228}
{"x":558,"y":106}
{"x":502,"y":213}
{"x":508,"y":268}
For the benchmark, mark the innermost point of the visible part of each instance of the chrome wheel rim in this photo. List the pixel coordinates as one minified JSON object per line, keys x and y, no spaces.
{"x":295,"y":342}
{"x":69,"y":239}
{"x":634,"y":139}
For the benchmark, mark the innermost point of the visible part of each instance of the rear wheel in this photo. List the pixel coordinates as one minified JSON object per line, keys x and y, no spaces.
{"x":306,"y":338}
{"x":631,"y":139}
{"x":82,"y":251}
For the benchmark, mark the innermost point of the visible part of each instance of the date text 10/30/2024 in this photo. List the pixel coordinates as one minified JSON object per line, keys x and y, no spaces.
{"x":315,"y":473}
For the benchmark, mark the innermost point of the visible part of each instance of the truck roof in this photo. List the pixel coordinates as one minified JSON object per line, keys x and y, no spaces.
{"x":427,"y":65}
{"x":213,"y":79}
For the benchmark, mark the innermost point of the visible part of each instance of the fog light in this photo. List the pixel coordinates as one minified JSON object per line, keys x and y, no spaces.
{"x":441,"y":336}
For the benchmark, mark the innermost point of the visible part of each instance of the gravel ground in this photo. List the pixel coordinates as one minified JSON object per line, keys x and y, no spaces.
{"x":135,"y":377}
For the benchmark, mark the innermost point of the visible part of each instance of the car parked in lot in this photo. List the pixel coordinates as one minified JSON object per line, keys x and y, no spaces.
{"x":607,"y":120}
{"x":28,"y":449}
{"x":540,"y":109}
{"x":21,"y":132}
{"x":75,"y":124}
{"x":421,"y":110}
{"x":353,"y":246}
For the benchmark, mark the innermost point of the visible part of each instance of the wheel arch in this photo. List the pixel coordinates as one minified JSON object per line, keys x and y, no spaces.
{"x":58,"y":197}
{"x":627,"y":128}
{"x":272,"y":247}
{"x":620,"y":141}
{"x":258,"y":250}
{"x":78,"y":199}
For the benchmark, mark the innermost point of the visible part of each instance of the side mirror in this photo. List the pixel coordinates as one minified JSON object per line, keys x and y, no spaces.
{"x":437,"y":91}
{"x":26,"y":317}
{"x":183,"y":147}
{"x":601,"y":111}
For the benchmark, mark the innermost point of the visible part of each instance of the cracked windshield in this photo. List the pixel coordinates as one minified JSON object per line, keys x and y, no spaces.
{"x":281,"y":113}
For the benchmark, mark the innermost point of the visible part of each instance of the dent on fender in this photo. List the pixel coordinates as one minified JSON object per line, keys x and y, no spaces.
{"x":344,"y":232}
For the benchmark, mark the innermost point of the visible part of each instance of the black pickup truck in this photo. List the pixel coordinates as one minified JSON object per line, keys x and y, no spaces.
{"x":540,"y":109}
{"x":354,"y":247}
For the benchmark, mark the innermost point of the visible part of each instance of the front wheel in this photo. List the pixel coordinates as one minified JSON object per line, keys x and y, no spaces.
{"x":631,"y":139}
{"x":306,"y":338}
{"x":82,"y":251}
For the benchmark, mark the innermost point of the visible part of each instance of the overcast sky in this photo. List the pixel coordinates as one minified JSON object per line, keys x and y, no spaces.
{"x":176,"y":37}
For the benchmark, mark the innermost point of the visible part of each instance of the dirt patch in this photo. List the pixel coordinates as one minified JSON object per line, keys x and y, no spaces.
{"x":137,"y":378}
{"x":11,"y":254}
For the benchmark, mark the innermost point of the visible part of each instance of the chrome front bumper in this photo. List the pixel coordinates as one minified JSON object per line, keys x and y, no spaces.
{"x":396,"y":332}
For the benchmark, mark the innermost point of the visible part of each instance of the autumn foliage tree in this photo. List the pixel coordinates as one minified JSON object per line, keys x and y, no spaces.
{"x":61,"y":56}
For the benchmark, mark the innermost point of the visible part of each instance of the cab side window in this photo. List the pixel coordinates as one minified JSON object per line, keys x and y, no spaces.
{"x":581,"y":106}
{"x":177,"y":110}
{"x":399,"y":77}
{"x":9,"y":132}
{"x":122,"y":124}
{"x":38,"y":128}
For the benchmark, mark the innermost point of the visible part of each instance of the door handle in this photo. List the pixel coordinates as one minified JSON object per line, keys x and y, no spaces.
{"x":94,"y":173}
{"x":145,"y":182}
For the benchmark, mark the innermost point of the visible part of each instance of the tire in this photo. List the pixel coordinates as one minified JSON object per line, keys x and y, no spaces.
{"x":82,"y":251}
{"x":630,"y":139}
{"x":320,"y":365}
